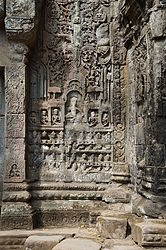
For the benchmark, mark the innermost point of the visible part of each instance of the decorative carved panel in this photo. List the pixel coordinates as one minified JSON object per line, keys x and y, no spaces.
{"x":70,"y":125}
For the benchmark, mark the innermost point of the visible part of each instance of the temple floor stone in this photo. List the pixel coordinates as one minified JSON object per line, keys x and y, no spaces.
{"x":150,"y":233}
{"x":3,"y":247}
{"x":112,"y":227}
{"x":110,"y":243}
{"x":126,"y":248}
{"x":65,"y":239}
{"x":42,"y":242}
{"x":78,"y":244}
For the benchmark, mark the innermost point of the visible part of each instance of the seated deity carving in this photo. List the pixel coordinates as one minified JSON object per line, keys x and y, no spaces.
{"x":73,"y":109}
{"x":55,"y":116}
{"x":105,"y":119}
{"x":100,"y":158}
{"x":44,"y":117}
{"x":33,"y":117}
{"x":93,"y":118}
{"x":14,"y":171}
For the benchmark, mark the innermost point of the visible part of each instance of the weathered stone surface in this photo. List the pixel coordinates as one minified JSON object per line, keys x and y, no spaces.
{"x":42,"y":242}
{"x":112,"y":227}
{"x":158,"y":23}
{"x":20,"y":20}
{"x":77,"y":244}
{"x":16,"y":215}
{"x":126,"y":247}
{"x":109,"y":243}
{"x":2,"y":247}
{"x":150,"y":233}
{"x":83,"y":106}
{"x":117,"y":195}
{"x":18,"y":237}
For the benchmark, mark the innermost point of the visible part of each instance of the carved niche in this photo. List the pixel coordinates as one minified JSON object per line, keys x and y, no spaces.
{"x":70,"y":106}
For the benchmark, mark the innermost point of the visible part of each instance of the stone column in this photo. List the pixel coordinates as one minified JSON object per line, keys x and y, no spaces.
{"x":153,"y":169}
{"x":16,"y":212}
{"x":20,"y":29}
{"x":154,"y":175}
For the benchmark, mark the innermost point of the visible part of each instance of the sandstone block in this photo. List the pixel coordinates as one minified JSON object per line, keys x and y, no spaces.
{"x":158,"y":23}
{"x":150,"y":233}
{"x":126,"y":248}
{"x":77,"y":244}
{"x":12,"y":247}
{"x":110,"y":243}
{"x":42,"y":242}
{"x":112,"y":227}
{"x":116,"y":195}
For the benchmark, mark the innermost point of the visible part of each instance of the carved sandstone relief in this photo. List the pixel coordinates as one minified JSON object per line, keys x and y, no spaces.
{"x":70,"y":123}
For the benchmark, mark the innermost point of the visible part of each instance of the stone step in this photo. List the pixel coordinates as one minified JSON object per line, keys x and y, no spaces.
{"x":112,"y":227}
{"x":42,"y":242}
{"x":63,"y":238}
{"x":113,"y":224}
{"x":11,"y":247}
{"x":77,"y":244}
{"x":150,"y":232}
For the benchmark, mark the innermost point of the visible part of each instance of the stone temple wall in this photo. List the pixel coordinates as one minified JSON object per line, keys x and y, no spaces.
{"x":85,"y":110}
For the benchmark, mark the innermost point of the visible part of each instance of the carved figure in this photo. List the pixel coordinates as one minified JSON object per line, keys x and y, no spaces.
{"x":55,"y":116}
{"x":14,"y":171}
{"x":44,"y":117}
{"x":52,"y":137}
{"x":108,"y":137}
{"x":100,"y":158}
{"x":105,"y":119}
{"x":36,"y":137}
{"x":93,"y":118}
{"x":72,"y":109}
{"x":33,"y":117}
{"x":60,"y":137}
{"x":107,"y":158}
{"x":76,"y":77}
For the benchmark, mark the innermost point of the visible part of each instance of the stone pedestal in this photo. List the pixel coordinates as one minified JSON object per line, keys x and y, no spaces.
{"x":112,"y":226}
{"x":16,"y":213}
{"x":150,"y":233}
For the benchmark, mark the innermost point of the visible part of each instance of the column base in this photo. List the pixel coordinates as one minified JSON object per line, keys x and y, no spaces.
{"x":150,"y":233}
{"x":18,"y":215}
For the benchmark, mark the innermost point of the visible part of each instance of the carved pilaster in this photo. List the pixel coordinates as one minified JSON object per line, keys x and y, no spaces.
{"x":18,"y":214}
{"x":20,"y":28}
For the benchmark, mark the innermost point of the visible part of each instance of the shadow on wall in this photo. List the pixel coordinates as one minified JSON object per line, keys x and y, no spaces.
{"x":4,"y":49}
{"x":2,"y":121}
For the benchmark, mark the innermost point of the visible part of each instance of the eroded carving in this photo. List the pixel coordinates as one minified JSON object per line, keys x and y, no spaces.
{"x":73,"y":119}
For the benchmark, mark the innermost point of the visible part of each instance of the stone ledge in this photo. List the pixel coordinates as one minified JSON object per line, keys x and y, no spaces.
{"x":77,"y":244}
{"x":15,"y":247}
{"x":151,"y":232}
{"x":43,"y":242}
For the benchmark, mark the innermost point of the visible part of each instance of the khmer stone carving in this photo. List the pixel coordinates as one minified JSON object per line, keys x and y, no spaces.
{"x":82,"y":113}
{"x":77,"y":62}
